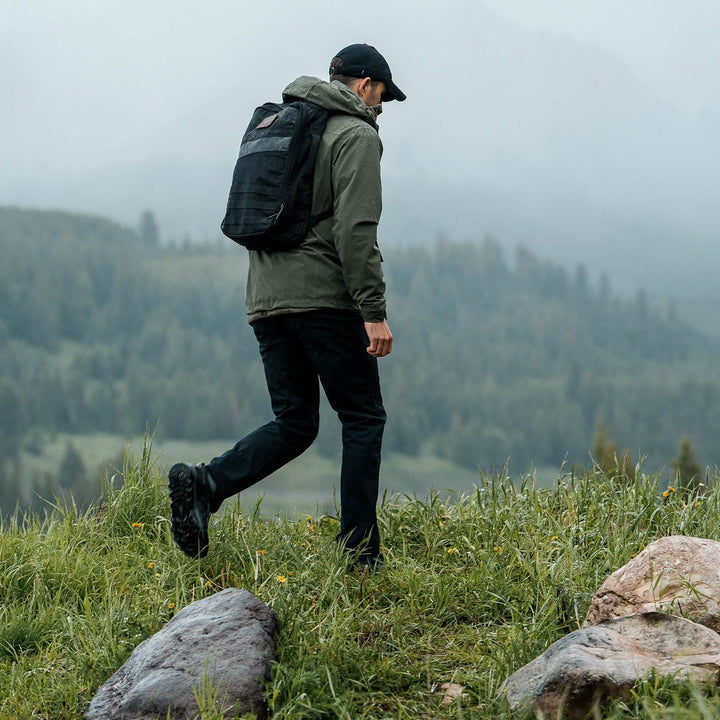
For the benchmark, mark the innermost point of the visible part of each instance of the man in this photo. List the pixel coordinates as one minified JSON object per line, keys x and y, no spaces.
{"x":318,"y":312}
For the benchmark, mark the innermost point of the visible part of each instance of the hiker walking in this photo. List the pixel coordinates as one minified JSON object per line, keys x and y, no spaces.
{"x":317,"y":307}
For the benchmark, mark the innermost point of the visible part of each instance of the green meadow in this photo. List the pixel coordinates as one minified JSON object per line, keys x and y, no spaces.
{"x":477,"y":584}
{"x":306,"y":485}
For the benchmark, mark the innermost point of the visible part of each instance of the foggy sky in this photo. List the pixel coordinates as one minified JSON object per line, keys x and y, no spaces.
{"x":571,"y":125}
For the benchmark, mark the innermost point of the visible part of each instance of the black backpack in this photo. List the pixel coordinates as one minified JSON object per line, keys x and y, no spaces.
{"x":270,"y":201}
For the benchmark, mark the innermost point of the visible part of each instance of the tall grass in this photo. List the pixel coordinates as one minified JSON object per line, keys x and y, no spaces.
{"x":476,"y":586}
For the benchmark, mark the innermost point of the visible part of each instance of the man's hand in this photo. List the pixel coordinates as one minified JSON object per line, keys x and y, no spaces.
{"x":380,"y":338}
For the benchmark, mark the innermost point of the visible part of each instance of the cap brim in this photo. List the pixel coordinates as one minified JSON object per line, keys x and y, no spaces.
{"x":392,"y":92}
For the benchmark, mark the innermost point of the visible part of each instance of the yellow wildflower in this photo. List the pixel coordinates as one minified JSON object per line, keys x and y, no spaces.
{"x":498,"y":549}
{"x":665,"y":493}
{"x":136,"y":525}
{"x":309,"y":518}
{"x":671,"y":488}
{"x":453,"y":551}
{"x":171,"y":605}
{"x":554,"y":537}
{"x":208,"y":583}
{"x":261,"y":552}
{"x":312,"y":526}
{"x":151,"y":565}
{"x":281,"y":579}
{"x":697,"y":503}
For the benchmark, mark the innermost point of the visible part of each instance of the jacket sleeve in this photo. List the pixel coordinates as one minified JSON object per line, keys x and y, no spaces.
{"x":357,"y":201}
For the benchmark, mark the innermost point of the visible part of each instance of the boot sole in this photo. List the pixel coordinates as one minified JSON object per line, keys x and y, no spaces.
{"x":187,"y":532}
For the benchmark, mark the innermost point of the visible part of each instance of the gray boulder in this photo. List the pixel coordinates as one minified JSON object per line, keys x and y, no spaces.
{"x":604,"y":661}
{"x":678,"y":575}
{"x":221,"y":646}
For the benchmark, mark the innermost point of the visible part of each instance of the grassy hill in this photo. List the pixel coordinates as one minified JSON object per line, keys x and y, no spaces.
{"x":477,"y":585}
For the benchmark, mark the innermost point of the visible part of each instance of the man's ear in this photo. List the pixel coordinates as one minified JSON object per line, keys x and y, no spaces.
{"x":362,"y":85}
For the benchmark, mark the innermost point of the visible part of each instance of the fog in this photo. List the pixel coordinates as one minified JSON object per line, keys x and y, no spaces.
{"x":584,"y":130}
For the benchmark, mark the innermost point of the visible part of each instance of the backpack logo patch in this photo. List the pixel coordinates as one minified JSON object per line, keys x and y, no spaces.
{"x":267,"y":122}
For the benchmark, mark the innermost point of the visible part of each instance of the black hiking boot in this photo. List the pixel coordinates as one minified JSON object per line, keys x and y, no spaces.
{"x":191,"y":491}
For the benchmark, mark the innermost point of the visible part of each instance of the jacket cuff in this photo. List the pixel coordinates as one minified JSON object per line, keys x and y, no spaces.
{"x":373,"y":314}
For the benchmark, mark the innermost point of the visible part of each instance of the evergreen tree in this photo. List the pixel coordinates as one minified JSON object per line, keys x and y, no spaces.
{"x":605,"y":454}
{"x":11,"y":491}
{"x":12,"y":421}
{"x":149,"y":233}
{"x":72,"y":468}
{"x":581,"y":280}
{"x":604,"y":450}
{"x":3,"y":484}
{"x":687,"y":468}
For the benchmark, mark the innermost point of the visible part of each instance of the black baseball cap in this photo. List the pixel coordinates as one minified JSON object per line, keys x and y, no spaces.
{"x":361,"y":60}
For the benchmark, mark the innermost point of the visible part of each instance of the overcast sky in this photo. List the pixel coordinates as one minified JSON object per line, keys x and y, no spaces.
{"x":671,"y":46}
{"x":73,"y":61}
{"x":554,"y":119}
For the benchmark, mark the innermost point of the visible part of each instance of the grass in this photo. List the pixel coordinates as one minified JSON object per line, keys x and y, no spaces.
{"x":476,"y":586}
{"x":307,"y":483}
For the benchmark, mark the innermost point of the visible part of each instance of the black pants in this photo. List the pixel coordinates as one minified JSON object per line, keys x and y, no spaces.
{"x":297,"y":350}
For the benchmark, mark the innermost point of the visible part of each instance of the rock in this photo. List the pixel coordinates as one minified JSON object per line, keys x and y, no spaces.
{"x":677,"y":575}
{"x":227,"y":637}
{"x":604,"y":661}
{"x":451,"y":692}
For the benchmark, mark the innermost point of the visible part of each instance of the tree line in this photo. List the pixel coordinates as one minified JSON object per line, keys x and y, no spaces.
{"x":495,"y":357}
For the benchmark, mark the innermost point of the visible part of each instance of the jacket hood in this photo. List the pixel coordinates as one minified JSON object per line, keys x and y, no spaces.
{"x":332,"y":96}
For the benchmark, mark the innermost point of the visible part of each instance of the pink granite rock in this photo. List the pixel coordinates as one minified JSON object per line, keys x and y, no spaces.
{"x":678,"y":575}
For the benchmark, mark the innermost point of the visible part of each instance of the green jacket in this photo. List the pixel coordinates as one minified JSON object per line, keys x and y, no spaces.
{"x":338,"y":263}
